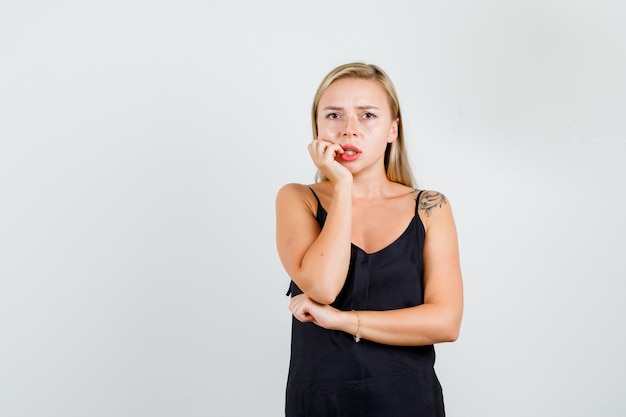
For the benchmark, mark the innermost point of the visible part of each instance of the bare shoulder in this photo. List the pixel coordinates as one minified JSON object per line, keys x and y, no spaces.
{"x":293,"y":194}
{"x":436,"y":214}
{"x":432,"y":203}
{"x":293,"y":190}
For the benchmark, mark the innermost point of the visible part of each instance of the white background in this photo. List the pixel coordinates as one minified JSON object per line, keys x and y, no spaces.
{"x":142,"y":144}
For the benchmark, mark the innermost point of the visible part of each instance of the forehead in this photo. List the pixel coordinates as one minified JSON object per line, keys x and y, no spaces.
{"x":354,"y":90}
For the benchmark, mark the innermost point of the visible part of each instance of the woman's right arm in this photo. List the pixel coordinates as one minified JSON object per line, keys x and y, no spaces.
{"x":316,"y":260}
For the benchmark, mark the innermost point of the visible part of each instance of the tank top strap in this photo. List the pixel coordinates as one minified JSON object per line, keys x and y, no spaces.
{"x":320,"y":215}
{"x":319,"y":204}
{"x":417,"y":201}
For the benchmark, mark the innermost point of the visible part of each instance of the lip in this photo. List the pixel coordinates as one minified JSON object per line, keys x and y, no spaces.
{"x":347,"y":147}
{"x":354,"y":154}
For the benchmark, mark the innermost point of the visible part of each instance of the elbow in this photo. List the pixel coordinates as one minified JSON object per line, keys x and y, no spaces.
{"x":323,"y":294}
{"x":452,"y":335}
{"x":449,"y":330}
{"x":452,"y":332}
{"x":321,"y":290}
{"x":446,"y":336}
{"x":323,"y":297}
{"x":320,"y":296}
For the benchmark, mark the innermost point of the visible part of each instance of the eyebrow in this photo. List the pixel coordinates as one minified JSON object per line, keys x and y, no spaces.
{"x":365,"y":107}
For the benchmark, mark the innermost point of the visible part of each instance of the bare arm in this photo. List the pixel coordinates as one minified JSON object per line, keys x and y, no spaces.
{"x":437,"y":320}
{"x":316,"y":260}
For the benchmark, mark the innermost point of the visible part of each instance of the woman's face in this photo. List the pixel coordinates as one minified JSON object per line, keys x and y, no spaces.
{"x":355,"y":114}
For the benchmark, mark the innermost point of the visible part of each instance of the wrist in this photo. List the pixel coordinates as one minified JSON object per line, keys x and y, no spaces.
{"x":343,"y":187}
{"x":350,"y":322}
{"x":346,"y":322}
{"x":357,"y":333}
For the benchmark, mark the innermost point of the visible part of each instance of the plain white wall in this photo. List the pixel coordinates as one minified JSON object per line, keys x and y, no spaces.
{"x":142,"y":144}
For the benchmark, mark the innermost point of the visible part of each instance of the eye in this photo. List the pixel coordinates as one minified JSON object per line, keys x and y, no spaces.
{"x":369,"y":115}
{"x":332,"y":116}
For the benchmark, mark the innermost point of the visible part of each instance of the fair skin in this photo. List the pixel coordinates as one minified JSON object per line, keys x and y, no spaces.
{"x":354,"y":128}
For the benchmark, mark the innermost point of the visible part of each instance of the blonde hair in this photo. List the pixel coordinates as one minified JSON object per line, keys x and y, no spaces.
{"x":396,"y":160}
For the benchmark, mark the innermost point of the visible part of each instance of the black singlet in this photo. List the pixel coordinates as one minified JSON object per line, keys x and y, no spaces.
{"x":331,"y":375}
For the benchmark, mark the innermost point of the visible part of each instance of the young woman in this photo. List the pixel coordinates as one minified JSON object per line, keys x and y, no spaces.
{"x":374,"y":262}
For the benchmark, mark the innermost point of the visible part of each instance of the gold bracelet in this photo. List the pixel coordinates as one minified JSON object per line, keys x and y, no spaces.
{"x":357,"y":336}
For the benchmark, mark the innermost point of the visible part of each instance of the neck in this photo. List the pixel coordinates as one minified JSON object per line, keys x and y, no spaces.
{"x":373,"y":185}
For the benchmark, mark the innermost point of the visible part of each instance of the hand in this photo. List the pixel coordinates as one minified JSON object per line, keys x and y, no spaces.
{"x":308,"y":311}
{"x":323,"y":154}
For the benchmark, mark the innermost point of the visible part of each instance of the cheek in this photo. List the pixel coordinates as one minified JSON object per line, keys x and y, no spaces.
{"x":327,"y":130}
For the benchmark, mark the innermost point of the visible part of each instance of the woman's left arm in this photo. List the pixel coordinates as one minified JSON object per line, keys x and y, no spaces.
{"x":437,"y":320}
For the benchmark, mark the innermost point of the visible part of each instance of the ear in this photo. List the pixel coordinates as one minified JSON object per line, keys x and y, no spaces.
{"x":393,"y":131}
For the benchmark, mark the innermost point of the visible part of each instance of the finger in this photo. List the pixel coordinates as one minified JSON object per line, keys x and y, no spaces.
{"x":334,"y":150}
{"x":322,"y":145}
{"x":337,"y":148}
{"x":302,"y":315}
{"x":328,"y":143}
{"x":319,"y":146}
{"x":325,"y":150}
{"x":316,"y":149}
{"x":293,"y":304}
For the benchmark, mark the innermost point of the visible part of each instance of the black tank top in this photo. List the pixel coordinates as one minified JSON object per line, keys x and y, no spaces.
{"x":331,"y":375}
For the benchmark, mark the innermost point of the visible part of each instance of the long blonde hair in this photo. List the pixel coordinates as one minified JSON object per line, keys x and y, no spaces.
{"x":396,"y":160}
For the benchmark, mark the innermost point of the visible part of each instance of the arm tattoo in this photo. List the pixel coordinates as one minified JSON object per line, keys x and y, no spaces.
{"x":430,"y":200}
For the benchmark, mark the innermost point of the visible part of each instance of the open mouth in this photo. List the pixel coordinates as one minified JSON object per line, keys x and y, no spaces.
{"x":350,"y":150}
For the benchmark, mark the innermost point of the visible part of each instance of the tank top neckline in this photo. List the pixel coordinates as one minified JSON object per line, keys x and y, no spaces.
{"x":393,"y":243}
{"x":322,"y":215}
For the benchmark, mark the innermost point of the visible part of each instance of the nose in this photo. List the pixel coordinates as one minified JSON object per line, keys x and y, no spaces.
{"x":349,"y":128}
